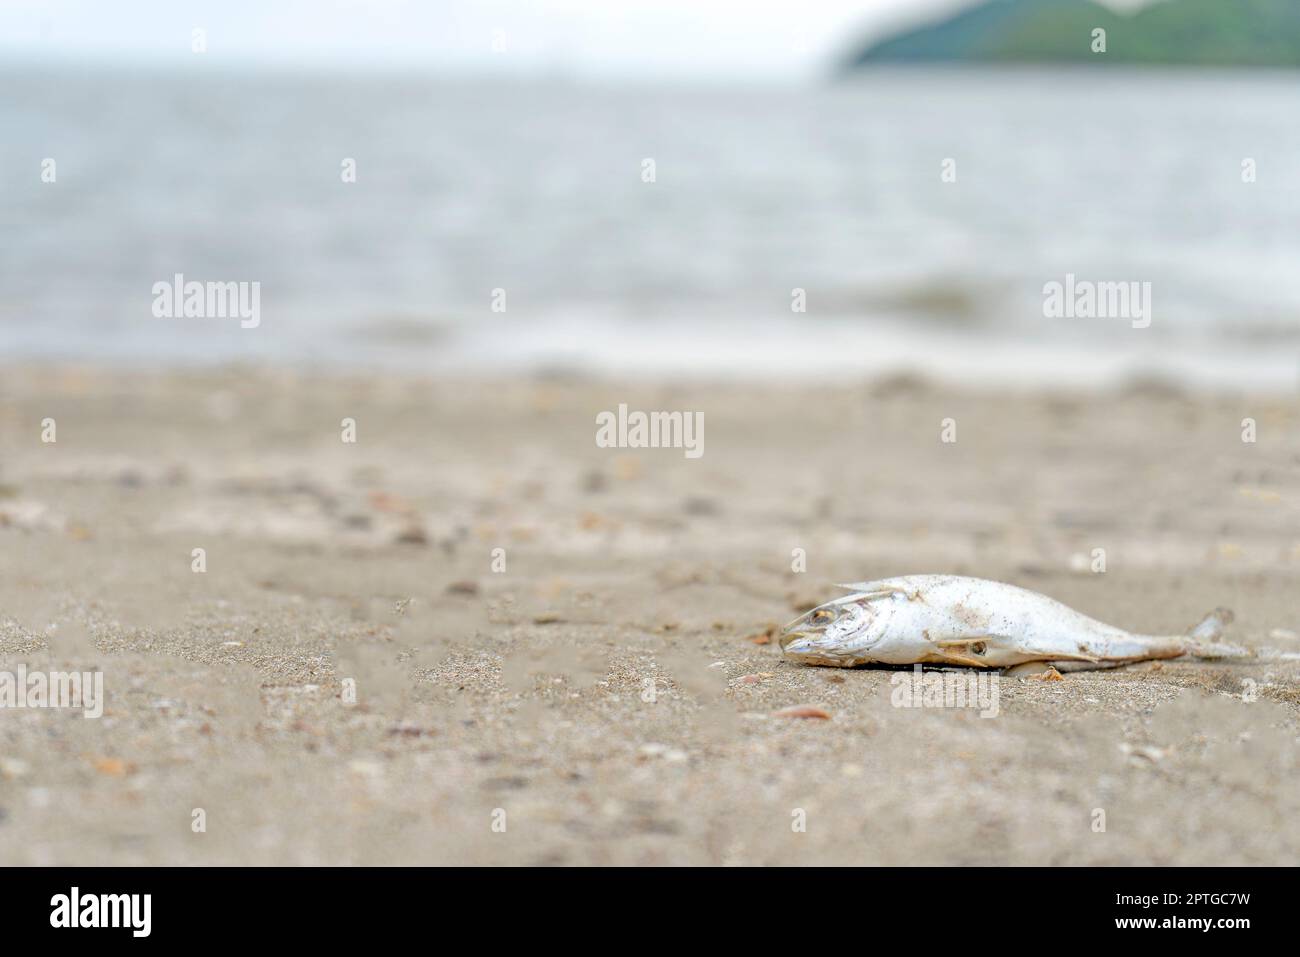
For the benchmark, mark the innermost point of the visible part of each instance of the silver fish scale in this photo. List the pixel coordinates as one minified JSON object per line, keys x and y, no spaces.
{"x":950,"y":619}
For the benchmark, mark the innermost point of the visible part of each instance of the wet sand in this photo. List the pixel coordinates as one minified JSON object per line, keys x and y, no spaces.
{"x":609,"y":695}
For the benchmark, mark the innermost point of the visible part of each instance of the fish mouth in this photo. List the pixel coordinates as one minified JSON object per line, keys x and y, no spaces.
{"x":796,"y":643}
{"x":790,"y":637}
{"x":801,"y":646}
{"x":798,"y":631}
{"x":801,"y":649}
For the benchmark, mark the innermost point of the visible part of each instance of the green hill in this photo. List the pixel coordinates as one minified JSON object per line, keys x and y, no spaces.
{"x":1247,"y":33}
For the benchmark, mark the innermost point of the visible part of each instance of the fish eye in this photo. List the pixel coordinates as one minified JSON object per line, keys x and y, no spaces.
{"x":822,"y":614}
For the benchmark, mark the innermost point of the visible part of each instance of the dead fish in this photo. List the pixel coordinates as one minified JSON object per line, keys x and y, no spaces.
{"x":951,"y":620}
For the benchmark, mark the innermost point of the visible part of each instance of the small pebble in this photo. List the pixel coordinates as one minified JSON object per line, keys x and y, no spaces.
{"x":113,"y":767}
{"x":412,"y":535}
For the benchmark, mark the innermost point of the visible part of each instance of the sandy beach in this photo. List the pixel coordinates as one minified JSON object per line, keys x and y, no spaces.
{"x":562,"y":654}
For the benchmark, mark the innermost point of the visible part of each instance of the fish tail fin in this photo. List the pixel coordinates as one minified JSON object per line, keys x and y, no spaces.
{"x":1206,"y":639}
{"x":1212,"y":626}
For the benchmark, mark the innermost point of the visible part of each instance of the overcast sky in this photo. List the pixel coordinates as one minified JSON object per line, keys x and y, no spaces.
{"x":777,"y":38}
